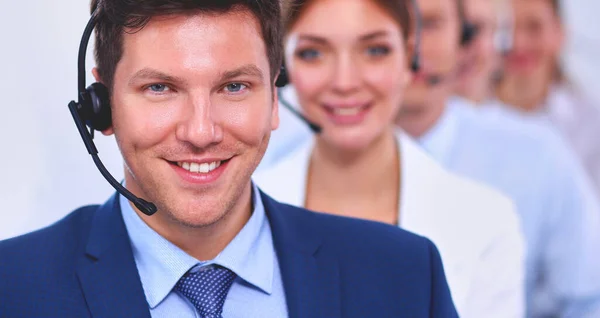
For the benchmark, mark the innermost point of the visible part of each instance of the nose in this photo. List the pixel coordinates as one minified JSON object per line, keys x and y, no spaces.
{"x":346,"y":77}
{"x":197,"y":125}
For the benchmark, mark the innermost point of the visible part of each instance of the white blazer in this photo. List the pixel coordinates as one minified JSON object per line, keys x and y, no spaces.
{"x":475,"y":228}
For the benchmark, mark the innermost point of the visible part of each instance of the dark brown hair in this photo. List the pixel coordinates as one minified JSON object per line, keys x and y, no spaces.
{"x":116,"y":16}
{"x":556,"y":7}
{"x":399,"y":10}
{"x":559,"y":72}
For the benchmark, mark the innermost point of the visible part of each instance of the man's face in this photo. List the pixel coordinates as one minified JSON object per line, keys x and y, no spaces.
{"x":439,"y":51}
{"x":480,"y":58}
{"x":193,"y":111}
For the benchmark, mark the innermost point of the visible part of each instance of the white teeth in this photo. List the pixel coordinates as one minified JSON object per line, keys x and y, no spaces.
{"x":204,"y":167}
{"x":347,"y":111}
{"x":199,"y":167}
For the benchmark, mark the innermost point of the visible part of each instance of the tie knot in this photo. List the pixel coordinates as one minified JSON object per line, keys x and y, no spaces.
{"x":207,"y":289}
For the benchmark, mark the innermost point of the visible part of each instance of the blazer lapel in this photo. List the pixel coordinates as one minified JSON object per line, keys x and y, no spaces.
{"x":310,"y":279}
{"x":107,"y":272}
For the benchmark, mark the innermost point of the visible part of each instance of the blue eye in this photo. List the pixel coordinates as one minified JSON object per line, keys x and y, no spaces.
{"x":378,"y":50}
{"x":235,"y":87}
{"x":158,"y":88}
{"x":309,"y":54}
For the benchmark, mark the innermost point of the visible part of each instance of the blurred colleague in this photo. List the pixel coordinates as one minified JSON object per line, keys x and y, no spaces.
{"x":348,"y":62}
{"x":554,"y":197}
{"x":533,"y":80}
{"x":190,"y":85}
{"x":479,"y":61}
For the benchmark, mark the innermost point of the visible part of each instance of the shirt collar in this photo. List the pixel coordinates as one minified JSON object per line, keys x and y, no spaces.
{"x":250,"y":255}
{"x":439,"y":139}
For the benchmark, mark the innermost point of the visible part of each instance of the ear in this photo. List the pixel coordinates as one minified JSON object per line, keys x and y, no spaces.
{"x":275,"y":109}
{"x":108,"y":131}
{"x":96,"y":75}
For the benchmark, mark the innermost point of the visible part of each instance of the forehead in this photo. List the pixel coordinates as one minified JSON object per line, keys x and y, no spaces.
{"x":482,"y":9}
{"x":344,"y":18}
{"x":440,"y":7}
{"x":530,"y":8}
{"x":197,"y":42}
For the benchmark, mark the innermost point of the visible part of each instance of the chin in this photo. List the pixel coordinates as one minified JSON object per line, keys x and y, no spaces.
{"x":197,"y":215}
{"x":351,"y":142}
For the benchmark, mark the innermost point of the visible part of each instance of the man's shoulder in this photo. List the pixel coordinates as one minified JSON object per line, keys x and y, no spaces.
{"x":54,"y":243}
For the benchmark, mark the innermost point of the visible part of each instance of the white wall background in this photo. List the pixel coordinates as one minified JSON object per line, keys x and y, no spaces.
{"x":582,"y":52}
{"x":45,"y":171}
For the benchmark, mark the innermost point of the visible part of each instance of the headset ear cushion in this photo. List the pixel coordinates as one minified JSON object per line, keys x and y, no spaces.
{"x":282,"y":79}
{"x":469,"y":32}
{"x":100,"y":102}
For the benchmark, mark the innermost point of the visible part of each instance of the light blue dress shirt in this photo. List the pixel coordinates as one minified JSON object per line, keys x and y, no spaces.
{"x":559,"y":211}
{"x":256,"y":292}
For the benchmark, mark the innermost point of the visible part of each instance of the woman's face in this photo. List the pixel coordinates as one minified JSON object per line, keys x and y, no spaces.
{"x":538,"y":38}
{"x":347,"y":62}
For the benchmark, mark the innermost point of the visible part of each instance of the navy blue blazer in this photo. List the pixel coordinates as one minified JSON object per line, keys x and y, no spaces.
{"x":83,"y":266}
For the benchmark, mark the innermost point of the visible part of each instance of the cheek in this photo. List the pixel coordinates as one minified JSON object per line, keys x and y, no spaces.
{"x":249,"y":122}
{"x":309,"y":82}
{"x":487,"y":49}
{"x":486,"y":54}
{"x":385,"y":82}
{"x":551,"y":45}
{"x":141,"y":124}
{"x":388,"y":86}
{"x":440,"y":55}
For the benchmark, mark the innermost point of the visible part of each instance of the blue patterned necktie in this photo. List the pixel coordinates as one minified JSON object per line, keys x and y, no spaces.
{"x":207,"y":289}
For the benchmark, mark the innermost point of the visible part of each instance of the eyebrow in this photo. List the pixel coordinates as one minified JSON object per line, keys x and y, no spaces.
{"x":312,"y":38}
{"x":246,"y":70}
{"x":373,"y":35}
{"x":362,"y":38}
{"x":152,"y":74}
{"x":149,"y":73}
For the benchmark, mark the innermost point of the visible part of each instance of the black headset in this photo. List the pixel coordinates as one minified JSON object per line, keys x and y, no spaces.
{"x":469,"y":30}
{"x":93,"y":109}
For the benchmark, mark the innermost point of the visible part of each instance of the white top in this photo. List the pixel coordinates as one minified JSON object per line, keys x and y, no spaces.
{"x":559,"y":211}
{"x":574,"y":116}
{"x":475,"y":228}
{"x":578,"y":120}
